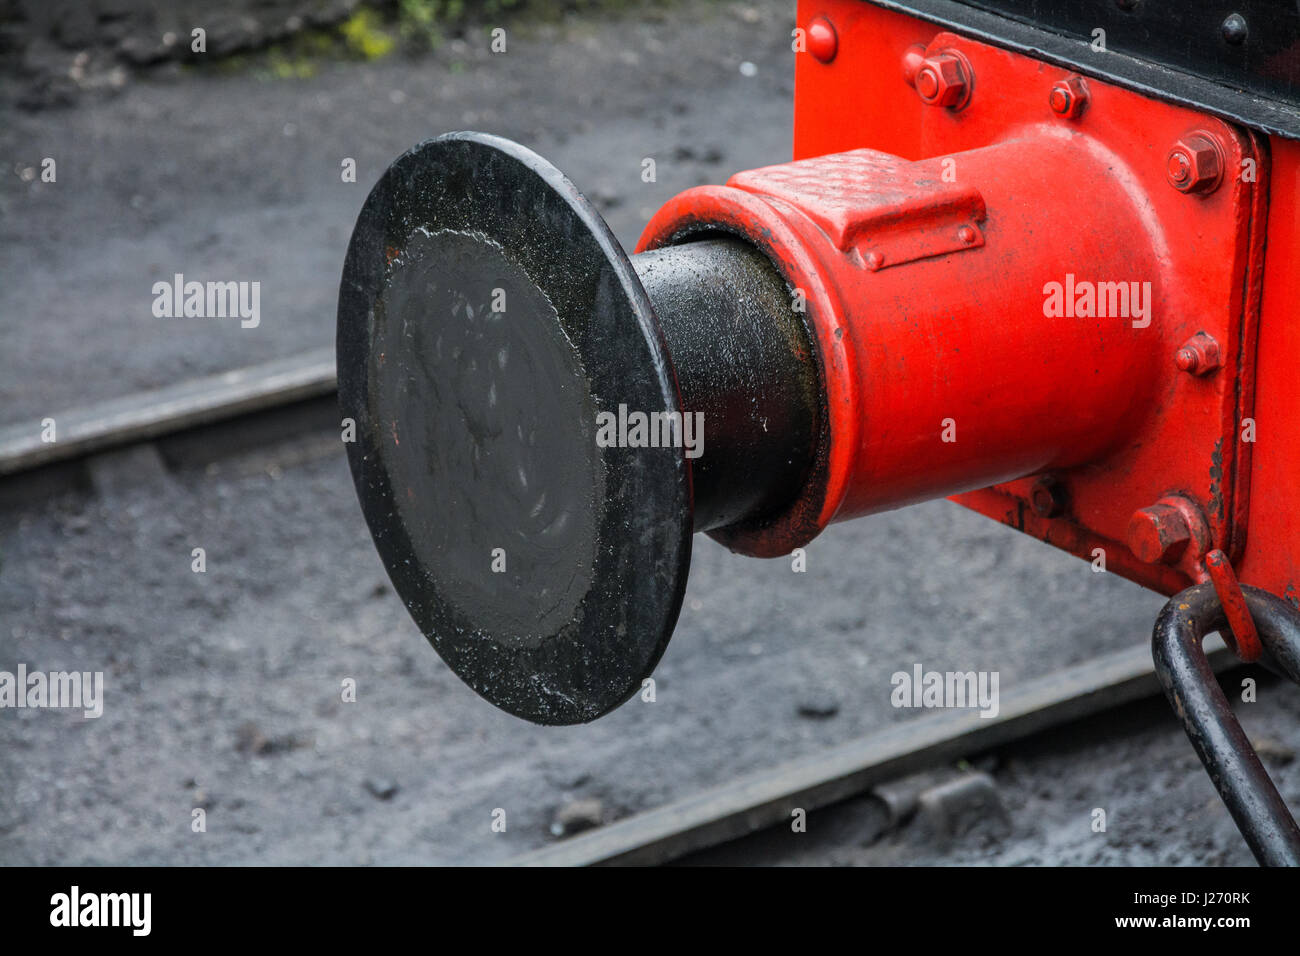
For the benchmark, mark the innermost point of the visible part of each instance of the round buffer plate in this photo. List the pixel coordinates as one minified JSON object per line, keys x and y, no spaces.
{"x":487,"y":318}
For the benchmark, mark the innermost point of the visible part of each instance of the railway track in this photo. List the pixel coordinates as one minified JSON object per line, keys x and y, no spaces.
{"x":758,"y":801}
{"x":166,"y":412}
{"x":264,"y":403}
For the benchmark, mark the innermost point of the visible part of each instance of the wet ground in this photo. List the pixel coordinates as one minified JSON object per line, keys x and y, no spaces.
{"x":223,"y":688}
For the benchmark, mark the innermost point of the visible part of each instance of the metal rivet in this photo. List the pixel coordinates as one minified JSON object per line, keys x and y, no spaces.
{"x":1235,"y":29}
{"x":913,"y":60}
{"x":823,"y":41}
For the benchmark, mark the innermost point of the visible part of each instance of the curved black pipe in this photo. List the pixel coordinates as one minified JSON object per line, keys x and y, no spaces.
{"x":1194,"y":693}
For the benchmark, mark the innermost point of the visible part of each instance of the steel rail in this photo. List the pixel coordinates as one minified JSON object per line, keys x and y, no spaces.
{"x":726,"y":812}
{"x":145,"y":416}
{"x":766,"y":798}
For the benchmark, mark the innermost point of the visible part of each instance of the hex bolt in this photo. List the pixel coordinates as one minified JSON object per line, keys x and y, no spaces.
{"x":1195,"y":163}
{"x":1200,"y":355}
{"x":823,"y":41}
{"x":1047,"y":497}
{"x":943,"y":80}
{"x":1158,"y":534}
{"x":1068,"y":97}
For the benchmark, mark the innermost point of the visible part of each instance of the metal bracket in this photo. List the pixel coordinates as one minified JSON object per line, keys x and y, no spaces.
{"x":882,"y":209}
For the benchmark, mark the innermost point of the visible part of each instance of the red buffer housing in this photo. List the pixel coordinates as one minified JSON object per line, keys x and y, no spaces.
{"x":1036,"y":292}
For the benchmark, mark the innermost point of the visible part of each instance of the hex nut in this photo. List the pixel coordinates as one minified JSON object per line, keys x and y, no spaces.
{"x":1195,"y":163}
{"x":1068,"y":97}
{"x":942,"y":81}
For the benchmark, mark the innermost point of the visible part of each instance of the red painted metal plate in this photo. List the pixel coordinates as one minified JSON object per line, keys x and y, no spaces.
{"x":1190,"y":441}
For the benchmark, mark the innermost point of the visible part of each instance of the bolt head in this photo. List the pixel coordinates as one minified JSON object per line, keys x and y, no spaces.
{"x":1200,"y":354}
{"x":1195,"y":164}
{"x":1158,"y":534}
{"x":942,"y":81}
{"x":1068,"y":97}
